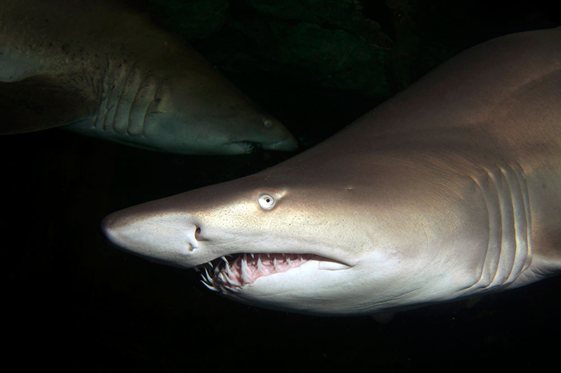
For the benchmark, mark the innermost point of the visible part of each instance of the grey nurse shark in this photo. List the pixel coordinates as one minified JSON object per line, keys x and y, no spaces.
{"x":451,"y":188}
{"x":101,"y":69}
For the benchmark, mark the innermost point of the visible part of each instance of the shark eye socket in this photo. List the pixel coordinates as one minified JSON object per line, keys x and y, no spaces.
{"x":266,"y":201}
{"x":268,"y":123}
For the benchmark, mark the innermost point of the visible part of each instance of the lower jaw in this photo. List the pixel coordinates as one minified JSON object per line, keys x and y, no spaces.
{"x":233,"y":272}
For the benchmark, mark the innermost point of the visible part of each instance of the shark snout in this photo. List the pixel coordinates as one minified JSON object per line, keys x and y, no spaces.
{"x":167,"y":237}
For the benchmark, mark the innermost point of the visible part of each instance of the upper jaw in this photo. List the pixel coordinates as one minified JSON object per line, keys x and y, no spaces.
{"x":231,"y":273}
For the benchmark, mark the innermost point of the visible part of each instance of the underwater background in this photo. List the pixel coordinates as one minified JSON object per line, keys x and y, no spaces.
{"x":74,"y":302}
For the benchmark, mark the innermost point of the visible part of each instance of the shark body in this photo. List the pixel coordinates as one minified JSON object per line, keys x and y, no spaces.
{"x":449,"y":189}
{"x":100,"y":69}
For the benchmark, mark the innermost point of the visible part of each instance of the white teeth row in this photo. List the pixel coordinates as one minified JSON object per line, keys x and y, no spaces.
{"x":226,"y":280}
{"x":223,"y":279}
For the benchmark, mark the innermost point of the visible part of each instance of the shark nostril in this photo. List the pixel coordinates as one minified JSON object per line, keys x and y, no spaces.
{"x":198,"y":233}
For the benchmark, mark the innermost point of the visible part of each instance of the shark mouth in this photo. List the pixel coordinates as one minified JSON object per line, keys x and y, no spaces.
{"x":233,"y":272}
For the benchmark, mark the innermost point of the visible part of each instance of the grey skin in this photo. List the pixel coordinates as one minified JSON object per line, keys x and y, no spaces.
{"x":102,"y":70}
{"x":451,"y":188}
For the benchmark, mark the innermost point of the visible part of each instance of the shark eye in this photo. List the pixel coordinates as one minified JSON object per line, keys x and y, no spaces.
{"x":266,"y":201}
{"x":268,"y":123}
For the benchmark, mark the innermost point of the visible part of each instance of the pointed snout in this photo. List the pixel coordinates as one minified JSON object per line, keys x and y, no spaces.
{"x":273,"y":136}
{"x":279,"y":137}
{"x":167,"y":237}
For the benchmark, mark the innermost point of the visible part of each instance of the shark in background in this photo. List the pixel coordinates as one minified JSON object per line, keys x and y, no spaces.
{"x":452,"y":188}
{"x":100,"y":69}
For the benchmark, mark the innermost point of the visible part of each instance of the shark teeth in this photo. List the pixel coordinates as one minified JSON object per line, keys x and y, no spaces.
{"x":245,"y":270}
{"x":231,"y":273}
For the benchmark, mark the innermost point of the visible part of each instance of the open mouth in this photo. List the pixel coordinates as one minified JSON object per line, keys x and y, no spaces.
{"x":233,"y":272}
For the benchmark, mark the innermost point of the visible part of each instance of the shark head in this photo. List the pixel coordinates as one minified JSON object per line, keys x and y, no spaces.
{"x":197,"y":116}
{"x":293,"y":241}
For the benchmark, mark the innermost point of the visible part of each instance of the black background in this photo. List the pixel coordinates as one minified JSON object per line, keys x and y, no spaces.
{"x":74,"y":302}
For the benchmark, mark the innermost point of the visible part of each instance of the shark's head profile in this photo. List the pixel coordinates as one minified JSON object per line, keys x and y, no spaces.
{"x":198,"y":115}
{"x":299,"y":243}
{"x":444,"y":191}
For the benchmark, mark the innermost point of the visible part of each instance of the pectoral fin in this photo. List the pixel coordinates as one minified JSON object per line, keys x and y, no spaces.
{"x":41,"y":102}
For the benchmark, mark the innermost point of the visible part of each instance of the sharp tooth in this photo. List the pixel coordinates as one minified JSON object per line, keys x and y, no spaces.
{"x":289,"y":261}
{"x":245,"y":270}
{"x":275,"y":263}
{"x":222,"y":277}
{"x":252,"y":256}
{"x":233,"y":281}
{"x":208,"y":276}
{"x":260,"y":267}
{"x":229,"y":288}
{"x":224,"y":259}
{"x":211,"y":265}
{"x":209,"y":286}
{"x":228,"y":269}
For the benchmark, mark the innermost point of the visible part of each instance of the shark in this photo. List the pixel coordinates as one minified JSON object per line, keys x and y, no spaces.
{"x":101,"y":69}
{"x":450,"y":189}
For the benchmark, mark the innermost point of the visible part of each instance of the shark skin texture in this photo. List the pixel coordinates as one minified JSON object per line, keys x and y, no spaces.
{"x":100,"y":69}
{"x":450,"y":189}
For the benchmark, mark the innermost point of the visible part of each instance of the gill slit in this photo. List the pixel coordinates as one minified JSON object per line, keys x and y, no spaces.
{"x":508,"y":251}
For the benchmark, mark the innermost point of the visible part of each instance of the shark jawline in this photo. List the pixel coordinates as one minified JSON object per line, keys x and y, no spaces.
{"x":231,"y":273}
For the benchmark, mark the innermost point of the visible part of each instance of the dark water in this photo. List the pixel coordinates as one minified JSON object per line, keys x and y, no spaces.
{"x":73,"y":302}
